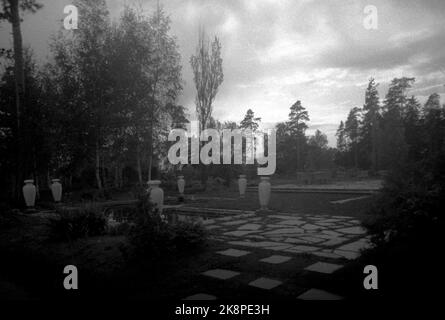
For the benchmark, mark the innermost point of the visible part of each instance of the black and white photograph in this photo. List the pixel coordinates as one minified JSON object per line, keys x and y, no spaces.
{"x":222,"y":158}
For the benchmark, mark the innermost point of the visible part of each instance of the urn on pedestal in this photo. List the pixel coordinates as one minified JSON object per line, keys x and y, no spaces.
{"x":56,"y":190}
{"x":242,"y":183}
{"x":29,"y":193}
{"x":156,"y":194}
{"x":264,"y":189}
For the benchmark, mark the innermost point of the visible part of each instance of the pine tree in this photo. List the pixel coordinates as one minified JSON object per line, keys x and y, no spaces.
{"x":371,"y":118}
{"x":297,"y":127}
{"x":249,"y":121}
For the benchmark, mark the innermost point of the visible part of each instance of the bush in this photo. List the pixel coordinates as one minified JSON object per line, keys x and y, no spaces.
{"x":152,"y":237}
{"x":73,"y":224}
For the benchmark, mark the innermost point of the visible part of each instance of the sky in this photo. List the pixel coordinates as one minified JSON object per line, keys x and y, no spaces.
{"x":276,"y":52}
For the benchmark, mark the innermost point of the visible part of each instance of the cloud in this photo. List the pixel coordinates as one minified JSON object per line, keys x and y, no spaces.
{"x":277,"y":52}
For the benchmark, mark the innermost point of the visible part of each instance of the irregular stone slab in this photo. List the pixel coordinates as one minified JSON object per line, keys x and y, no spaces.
{"x":265,"y":283}
{"x":284,"y":231}
{"x":221,"y":274}
{"x":356,"y":246}
{"x":292,"y":222}
{"x":311,"y":239}
{"x":329,"y":255}
{"x":279,"y":248}
{"x":233,"y":252}
{"x":237,"y":233}
{"x":295,"y":241}
{"x":306,"y":248}
{"x":255,"y":236}
{"x":280,"y":216}
{"x":244,"y":243}
{"x":353,"y":230}
{"x":335,"y":241}
{"x":309,"y":226}
{"x":250,"y":226}
{"x":323,"y":267}
{"x":201,"y":296}
{"x":325,"y":224}
{"x":212,"y":227}
{"x":316,"y":294}
{"x":234,"y":223}
{"x":276,"y":259}
{"x":332,"y":233}
{"x":350,"y":255}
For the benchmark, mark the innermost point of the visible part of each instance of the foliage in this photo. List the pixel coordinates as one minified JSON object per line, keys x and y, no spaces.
{"x":207,"y":75}
{"x":73,"y":224}
{"x":410,"y":206}
{"x":152,"y":236}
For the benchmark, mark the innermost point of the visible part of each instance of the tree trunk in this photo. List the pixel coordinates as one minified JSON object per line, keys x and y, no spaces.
{"x":150,"y":148}
{"x":98,"y":180}
{"x":139,"y":166}
{"x":19,"y":78}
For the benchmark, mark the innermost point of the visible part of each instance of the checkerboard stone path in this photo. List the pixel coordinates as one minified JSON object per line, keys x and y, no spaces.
{"x":337,"y":238}
{"x":334,"y":237}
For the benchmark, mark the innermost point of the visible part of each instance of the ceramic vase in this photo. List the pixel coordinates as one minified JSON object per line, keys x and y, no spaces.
{"x":264,"y":192}
{"x":156,"y":194}
{"x":242,"y":183}
{"x":29,"y":193}
{"x":56,"y":190}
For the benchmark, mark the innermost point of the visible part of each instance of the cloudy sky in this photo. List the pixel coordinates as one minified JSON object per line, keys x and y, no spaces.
{"x":278,"y":51}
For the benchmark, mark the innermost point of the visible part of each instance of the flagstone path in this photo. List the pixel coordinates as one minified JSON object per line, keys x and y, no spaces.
{"x":331,"y":239}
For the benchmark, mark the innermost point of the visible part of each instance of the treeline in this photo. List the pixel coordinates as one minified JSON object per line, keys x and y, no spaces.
{"x":381,"y":136}
{"x":106,"y":99}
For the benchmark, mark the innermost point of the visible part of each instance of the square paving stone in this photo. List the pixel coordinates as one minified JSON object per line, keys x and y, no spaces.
{"x":233,"y":252}
{"x":221,"y":274}
{"x":201,"y":296}
{"x":276,"y":259}
{"x":316,"y":294}
{"x":324,"y":267}
{"x":265,"y":283}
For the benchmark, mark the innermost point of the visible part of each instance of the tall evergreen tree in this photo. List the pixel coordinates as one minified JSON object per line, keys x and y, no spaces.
{"x":297,"y":127}
{"x":371,"y":118}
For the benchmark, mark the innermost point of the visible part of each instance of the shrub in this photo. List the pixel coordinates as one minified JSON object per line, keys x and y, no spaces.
{"x":73,"y":224}
{"x":152,"y":237}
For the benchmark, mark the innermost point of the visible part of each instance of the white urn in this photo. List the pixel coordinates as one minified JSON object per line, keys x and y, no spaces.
{"x":56,"y":190}
{"x":242,"y":184}
{"x":264,"y":192}
{"x":156,"y":194}
{"x":181,"y":185}
{"x":29,"y":193}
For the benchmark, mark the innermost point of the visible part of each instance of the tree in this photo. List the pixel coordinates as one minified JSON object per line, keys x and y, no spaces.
{"x":297,"y":127}
{"x":352,"y":130}
{"x":249,"y":121}
{"x":393,"y":137}
{"x":413,"y":131}
{"x":434,"y":121}
{"x":164,"y":73}
{"x":207,"y":75}
{"x":371,"y":118}
{"x":341,"y":137}
{"x":10,"y":11}
{"x":319,"y":156}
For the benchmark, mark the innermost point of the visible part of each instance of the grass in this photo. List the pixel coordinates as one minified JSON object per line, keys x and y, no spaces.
{"x":304,"y":203}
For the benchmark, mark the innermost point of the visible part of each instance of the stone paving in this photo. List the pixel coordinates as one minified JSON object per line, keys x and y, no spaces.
{"x":338,"y":238}
{"x":334,"y":237}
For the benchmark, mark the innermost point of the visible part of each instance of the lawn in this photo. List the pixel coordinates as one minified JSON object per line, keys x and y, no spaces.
{"x":304,"y":203}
